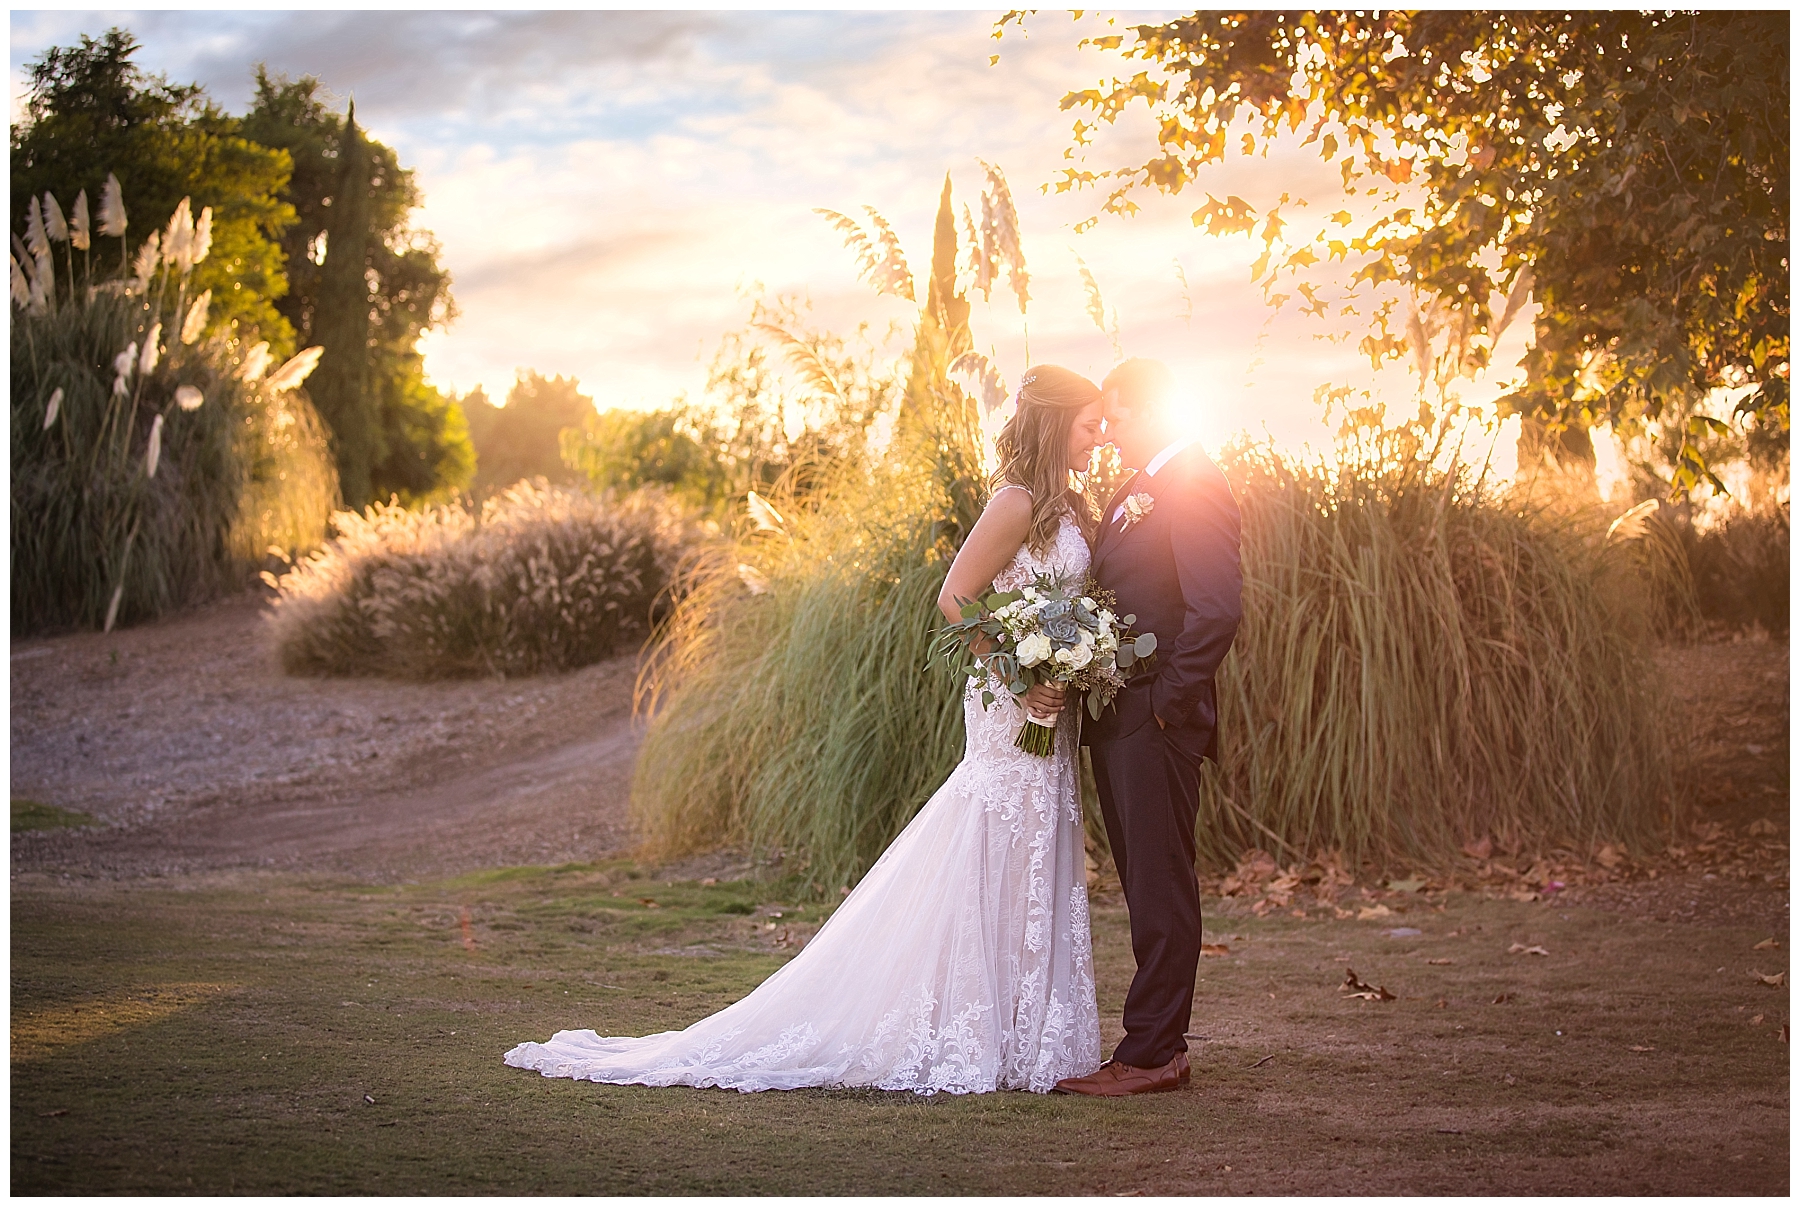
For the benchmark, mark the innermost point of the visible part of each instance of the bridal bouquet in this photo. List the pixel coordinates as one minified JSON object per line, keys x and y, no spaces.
{"x":1046,"y":633}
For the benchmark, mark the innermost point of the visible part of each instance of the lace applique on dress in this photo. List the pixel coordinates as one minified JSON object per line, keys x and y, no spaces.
{"x":961,"y":963}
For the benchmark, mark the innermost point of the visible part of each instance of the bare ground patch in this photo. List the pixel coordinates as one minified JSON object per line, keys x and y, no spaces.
{"x":185,"y":740}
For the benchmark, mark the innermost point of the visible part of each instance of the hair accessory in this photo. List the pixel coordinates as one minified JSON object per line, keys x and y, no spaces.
{"x":1027,"y":380}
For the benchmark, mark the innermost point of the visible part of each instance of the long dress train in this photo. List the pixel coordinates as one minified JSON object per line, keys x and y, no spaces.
{"x":962,"y":962}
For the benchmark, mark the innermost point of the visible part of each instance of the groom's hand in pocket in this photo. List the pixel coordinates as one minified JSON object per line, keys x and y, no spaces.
{"x":1043,"y":699}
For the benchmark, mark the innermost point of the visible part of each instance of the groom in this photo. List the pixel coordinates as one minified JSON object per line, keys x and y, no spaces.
{"x":1168,"y":549}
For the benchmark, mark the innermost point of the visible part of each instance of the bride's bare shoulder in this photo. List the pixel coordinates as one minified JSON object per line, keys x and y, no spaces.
{"x":1011,"y":502}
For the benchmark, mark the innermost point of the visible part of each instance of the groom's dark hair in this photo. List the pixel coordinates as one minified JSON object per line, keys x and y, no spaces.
{"x":1141,"y":383}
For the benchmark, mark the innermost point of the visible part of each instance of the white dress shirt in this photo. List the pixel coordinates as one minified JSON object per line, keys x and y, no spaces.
{"x":1157,"y":462}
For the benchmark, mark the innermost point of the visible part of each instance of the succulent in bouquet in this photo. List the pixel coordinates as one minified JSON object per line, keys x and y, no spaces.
{"x":1045,"y":632}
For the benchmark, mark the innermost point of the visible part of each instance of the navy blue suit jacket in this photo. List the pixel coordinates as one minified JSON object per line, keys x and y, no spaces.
{"x":1177,"y":570}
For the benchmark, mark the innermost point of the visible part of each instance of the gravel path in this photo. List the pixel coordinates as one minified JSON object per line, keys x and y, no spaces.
{"x":185,"y":740}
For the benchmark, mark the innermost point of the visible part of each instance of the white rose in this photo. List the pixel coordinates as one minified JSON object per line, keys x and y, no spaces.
{"x":1079,"y":656}
{"x":1034,"y":649}
{"x":1065,"y":657}
{"x":1108,"y":643}
{"x":1089,"y":604}
{"x":1087,"y":637}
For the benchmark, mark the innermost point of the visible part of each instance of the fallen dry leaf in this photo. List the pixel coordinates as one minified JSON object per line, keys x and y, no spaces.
{"x":1776,"y":981}
{"x":1214,"y":949}
{"x":1783,"y":1036}
{"x":1765,"y":945}
{"x":1503,"y":998}
{"x":710,"y":881}
{"x":648,"y":903}
{"x":1481,"y":848}
{"x":1511,"y":1080}
{"x":1373,"y":911}
{"x":1609,"y":856}
{"x":1406,"y":886}
{"x":1756,"y":1020}
{"x":1763,"y":826}
{"x":1440,"y":1004}
{"x":1643,"y":1047}
{"x":1440,"y":961}
{"x":1354,"y":987}
{"x":1519,"y":949}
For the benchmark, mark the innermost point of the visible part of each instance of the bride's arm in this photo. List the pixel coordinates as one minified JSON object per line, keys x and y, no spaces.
{"x":991,"y":544}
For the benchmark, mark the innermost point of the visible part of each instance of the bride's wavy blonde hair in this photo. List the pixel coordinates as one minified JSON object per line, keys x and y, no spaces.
{"x":1033,"y":449}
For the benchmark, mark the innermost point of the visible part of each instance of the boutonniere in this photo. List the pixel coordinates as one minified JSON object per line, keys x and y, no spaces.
{"x":1136,"y":508}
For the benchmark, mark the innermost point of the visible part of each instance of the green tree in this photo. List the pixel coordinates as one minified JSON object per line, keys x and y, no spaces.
{"x":89,"y":110}
{"x":401,"y":434}
{"x":521,"y":439}
{"x":341,"y":387}
{"x":624,"y":449}
{"x":1629,"y":169}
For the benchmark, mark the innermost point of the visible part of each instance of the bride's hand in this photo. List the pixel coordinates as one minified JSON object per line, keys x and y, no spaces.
{"x":1043,"y":699}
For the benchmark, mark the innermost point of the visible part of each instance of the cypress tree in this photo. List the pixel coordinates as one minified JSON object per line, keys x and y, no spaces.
{"x":340,"y":385}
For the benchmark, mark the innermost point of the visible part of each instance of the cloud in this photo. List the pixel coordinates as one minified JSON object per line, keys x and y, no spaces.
{"x":607,"y":187}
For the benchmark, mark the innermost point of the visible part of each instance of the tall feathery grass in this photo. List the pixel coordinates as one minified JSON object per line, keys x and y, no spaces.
{"x":1421,"y":665}
{"x":541,"y":578}
{"x":793,"y":709}
{"x":153,"y":464}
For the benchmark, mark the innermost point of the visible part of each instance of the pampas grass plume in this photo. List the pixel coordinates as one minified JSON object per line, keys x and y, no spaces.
{"x":202,"y":236}
{"x":21,"y":288}
{"x":148,"y":258}
{"x":256,"y":362}
{"x":78,"y":222}
{"x":188,"y":398}
{"x":112,"y":609}
{"x":35,"y":239}
{"x":764,"y":515}
{"x":112,"y":209}
{"x":124,"y":364}
{"x":295,"y":369}
{"x":195,"y":323}
{"x":51,"y":410}
{"x":154,"y":454}
{"x":178,"y":243}
{"x":152,"y":351}
{"x":54,"y":224}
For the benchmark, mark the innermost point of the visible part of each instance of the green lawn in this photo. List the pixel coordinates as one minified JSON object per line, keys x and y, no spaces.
{"x":228,"y":1038}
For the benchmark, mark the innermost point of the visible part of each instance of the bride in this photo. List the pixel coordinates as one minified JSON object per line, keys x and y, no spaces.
{"x":962,"y":961}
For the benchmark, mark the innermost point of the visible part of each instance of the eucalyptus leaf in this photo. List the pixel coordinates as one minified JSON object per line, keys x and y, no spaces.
{"x":1145,"y":645}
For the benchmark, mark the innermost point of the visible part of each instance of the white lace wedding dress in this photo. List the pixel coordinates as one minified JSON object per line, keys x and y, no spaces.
{"x":961,"y":962}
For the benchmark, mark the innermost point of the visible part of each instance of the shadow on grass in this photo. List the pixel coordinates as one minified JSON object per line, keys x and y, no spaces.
{"x":278,"y":1034}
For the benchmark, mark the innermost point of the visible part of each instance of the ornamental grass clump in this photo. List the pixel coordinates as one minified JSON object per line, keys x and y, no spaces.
{"x":151,"y":467}
{"x":798,"y":709}
{"x":1421,"y":665}
{"x":541,"y":578}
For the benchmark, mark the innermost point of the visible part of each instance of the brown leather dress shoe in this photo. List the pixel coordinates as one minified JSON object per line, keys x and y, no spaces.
{"x":1115,"y":1080}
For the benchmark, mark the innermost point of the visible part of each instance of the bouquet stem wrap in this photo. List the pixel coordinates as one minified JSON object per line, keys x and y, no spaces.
{"x":1038,"y":734}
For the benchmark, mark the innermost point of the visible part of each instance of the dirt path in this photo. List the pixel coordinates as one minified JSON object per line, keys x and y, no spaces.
{"x":196,"y":753}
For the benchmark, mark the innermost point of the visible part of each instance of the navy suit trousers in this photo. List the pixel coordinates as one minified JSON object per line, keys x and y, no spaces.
{"x":1150,"y":795}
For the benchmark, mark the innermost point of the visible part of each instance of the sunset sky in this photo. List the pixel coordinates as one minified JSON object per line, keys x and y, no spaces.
{"x":608,"y":188}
